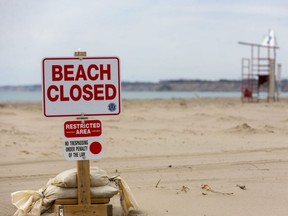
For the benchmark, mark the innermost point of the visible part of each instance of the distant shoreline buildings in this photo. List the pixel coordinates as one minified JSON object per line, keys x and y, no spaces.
{"x":222,"y":85}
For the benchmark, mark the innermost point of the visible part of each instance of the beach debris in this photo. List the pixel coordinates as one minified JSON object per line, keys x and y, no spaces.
{"x":156,"y":186}
{"x":208,"y":188}
{"x":185,"y":189}
{"x":243,"y":187}
{"x":243,"y":128}
{"x":205,"y":187}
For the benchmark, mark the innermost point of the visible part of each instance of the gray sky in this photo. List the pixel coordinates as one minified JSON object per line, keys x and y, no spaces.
{"x":154,"y":39}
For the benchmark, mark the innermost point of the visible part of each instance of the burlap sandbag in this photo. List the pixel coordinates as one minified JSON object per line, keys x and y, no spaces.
{"x":127,"y":200}
{"x":53,"y":192}
{"x":32,"y":203}
{"x":68,"y":178}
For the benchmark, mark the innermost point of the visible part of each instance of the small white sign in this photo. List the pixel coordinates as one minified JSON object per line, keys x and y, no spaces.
{"x":72,"y":86}
{"x":89,"y":148}
{"x":83,"y":140}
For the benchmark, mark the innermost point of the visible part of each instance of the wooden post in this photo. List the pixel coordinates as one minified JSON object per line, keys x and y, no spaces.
{"x":83,"y":167}
{"x":83,"y":181}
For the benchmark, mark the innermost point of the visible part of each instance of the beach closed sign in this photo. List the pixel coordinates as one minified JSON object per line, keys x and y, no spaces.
{"x":75,"y":86}
{"x":83,"y":140}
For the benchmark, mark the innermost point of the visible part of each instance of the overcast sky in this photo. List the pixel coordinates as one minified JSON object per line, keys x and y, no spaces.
{"x":154,"y":39}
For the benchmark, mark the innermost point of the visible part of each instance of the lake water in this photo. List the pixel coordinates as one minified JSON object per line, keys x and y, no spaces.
{"x":36,"y":96}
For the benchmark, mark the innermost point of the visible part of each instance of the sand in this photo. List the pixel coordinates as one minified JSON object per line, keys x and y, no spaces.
{"x":165,"y":150}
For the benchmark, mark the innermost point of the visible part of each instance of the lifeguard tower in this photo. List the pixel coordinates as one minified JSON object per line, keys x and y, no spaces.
{"x":259,"y":71}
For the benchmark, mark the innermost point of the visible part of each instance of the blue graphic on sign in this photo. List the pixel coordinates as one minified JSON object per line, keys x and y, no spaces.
{"x":112,"y":107}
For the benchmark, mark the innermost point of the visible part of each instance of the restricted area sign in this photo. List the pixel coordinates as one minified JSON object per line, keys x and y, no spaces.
{"x":83,"y":140}
{"x":75,"y":86}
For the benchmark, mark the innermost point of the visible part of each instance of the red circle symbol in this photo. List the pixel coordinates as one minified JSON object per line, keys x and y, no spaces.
{"x":95,"y":148}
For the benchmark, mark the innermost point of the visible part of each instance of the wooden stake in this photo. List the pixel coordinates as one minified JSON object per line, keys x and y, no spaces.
{"x":83,"y":167}
{"x":83,"y":181}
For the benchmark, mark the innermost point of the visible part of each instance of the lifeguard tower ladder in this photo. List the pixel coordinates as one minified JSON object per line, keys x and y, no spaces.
{"x":258,"y":73}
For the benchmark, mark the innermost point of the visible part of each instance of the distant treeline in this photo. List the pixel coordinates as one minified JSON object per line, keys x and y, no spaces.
{"x":164,"y":85}
{"x":190,"y":85}
{"x":183,"y":85}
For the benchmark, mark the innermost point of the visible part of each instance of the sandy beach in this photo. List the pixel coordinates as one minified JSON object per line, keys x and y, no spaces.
{"x":165,"y":150}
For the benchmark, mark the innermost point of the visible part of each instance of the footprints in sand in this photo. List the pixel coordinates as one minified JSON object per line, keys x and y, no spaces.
{"x":12,"y":131}
{"x":242,"y":128}
{"x":246,"y":128}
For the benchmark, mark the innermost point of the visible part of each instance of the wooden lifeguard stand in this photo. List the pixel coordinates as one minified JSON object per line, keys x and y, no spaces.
{"x":259,"y":72}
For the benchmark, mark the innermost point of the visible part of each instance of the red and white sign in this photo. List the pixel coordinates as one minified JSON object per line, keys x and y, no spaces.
{"x":89,"y":128}
{"x":72,"y":86}
{"x":83,"y":140}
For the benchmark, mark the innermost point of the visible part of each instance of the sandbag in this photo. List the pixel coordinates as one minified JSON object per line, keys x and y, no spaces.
{"x":53,"y":192}
{"x":64,"y":186}
{"x":127,"y":200}
{"x":68,"y":178}
{"x":28,"y":203}
{"x":32,"y":203}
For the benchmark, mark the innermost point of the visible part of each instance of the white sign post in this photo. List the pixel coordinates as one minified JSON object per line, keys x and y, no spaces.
{"x":89,"y":85}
